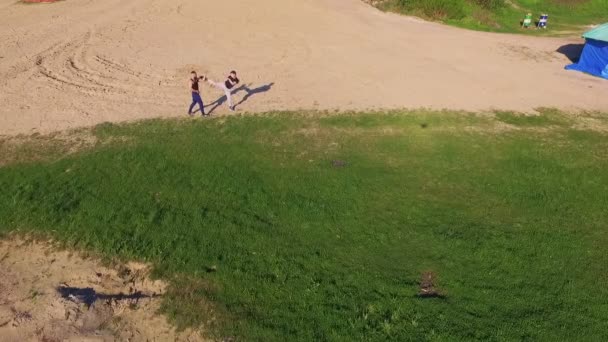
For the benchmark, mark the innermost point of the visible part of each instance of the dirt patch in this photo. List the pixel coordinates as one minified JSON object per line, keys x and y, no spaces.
{"x":512,"y":4}
{"x":44,"y":147}
{"x":51,"y":295}
{"x":590,"y":123}
{"x":428,"y":286}
{"x":496,"y":127}
{"x":375,"y":3}
{"x":337,"y":163}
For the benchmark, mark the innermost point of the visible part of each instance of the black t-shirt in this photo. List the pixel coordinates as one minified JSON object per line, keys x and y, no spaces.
{"x":231,"y":81}
{"x":195,"y":84}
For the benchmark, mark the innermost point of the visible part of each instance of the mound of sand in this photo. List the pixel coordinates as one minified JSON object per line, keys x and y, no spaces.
{"x":50,"y":295}
{"x":77,"y":63}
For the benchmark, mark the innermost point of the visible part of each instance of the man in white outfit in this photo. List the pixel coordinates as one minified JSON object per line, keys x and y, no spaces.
{"x":227,"y":87}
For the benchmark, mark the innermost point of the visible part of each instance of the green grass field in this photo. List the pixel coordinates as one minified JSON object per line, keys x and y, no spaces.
{"x":566,"y":17}
{"x":300,"y":227}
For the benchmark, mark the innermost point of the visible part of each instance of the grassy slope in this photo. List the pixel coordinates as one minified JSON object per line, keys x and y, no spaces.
{"x":514,"y":222}
{"x":566,"y":17}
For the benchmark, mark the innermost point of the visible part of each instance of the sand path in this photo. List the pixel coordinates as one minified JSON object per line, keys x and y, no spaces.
{"x":78,"y":63}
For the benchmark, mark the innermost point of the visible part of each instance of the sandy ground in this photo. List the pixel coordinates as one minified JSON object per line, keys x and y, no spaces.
{"x":50,"y":295}
{"x":81,"y":62}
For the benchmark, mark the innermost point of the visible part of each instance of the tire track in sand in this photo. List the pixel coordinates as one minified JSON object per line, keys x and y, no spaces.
{"x":71,"y":66}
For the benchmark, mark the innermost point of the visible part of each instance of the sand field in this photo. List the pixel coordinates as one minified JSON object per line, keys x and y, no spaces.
{"x":77,"y":63}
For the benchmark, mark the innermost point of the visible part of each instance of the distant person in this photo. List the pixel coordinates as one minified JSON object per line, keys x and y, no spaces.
{"x":196,"y":94}
{"x":227,"y":86}
{"x":542,"y":21}
{"x":527,"y":21}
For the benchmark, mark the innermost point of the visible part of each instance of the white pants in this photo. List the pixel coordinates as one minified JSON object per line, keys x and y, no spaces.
{"x":222,"y":86}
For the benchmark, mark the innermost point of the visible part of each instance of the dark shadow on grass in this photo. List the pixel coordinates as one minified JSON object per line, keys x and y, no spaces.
{"x":89,"y":296}
{"x":572,"y":51}
{"x":245,"y":87}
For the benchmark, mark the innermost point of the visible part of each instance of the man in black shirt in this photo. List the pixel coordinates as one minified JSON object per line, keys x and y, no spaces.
{"x":196,"y":94}
{"x":227,"y":86}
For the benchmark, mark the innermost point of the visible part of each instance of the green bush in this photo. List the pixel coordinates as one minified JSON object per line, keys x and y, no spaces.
{"x":490,"y":4}
{"x":445,"y":9}
{"x":436,"y":9}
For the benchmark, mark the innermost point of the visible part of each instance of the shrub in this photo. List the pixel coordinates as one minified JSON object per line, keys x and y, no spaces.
{"x":436,"y":9}
{"x":490,"y":4}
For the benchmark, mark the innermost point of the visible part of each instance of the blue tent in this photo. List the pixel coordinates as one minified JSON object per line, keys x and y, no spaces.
{"x":594,"y":59}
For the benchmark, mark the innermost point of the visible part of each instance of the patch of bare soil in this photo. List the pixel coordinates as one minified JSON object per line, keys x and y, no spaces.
{"x":375,"y":3}
{"x":512,"y":4}
{"x":590,"y":122}
{"x":51,"y":295}
{"x":428,"y":286}
{"x":42,"y":147}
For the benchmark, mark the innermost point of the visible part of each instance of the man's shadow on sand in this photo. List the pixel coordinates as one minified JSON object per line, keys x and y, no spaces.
{"x":245,"y":87}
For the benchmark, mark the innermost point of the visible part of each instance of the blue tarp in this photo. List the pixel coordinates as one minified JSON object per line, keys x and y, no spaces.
{"x":594,"y":59}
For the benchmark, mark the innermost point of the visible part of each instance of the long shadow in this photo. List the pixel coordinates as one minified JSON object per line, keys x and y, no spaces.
{"x":89,"y":296}
{"x":251,"y":92}
{"x":222,"y":99}
{"x":245,"y":87}
{"x":572,"y":51}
